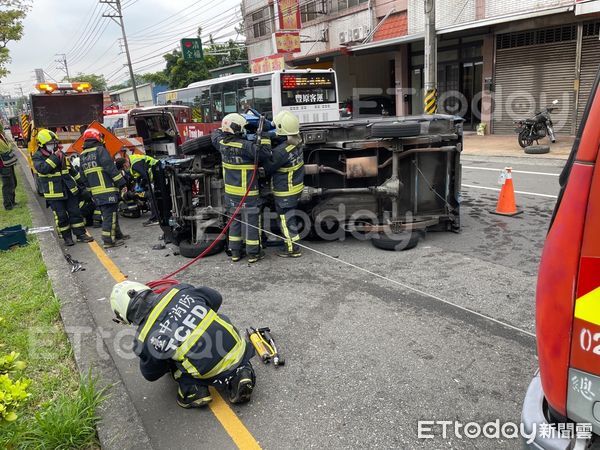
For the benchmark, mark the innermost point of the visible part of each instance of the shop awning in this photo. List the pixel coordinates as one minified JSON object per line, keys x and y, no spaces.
{"x":387,"y":42}
{"x":316,"y":57}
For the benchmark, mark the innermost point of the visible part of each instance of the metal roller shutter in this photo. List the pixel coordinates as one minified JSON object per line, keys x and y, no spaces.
{"x":590,"y":61}
{"x":538,"y":65}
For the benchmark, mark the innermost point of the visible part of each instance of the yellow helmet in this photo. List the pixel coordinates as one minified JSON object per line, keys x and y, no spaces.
{"x":45,"y":136}
{"x":233,"y":123}
{"x":286,"y":123}
{"x":121,"y":296}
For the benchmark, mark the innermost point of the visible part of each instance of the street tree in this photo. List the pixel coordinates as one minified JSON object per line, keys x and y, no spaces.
{"x":98,"y":82}
{"x":12,"y":13}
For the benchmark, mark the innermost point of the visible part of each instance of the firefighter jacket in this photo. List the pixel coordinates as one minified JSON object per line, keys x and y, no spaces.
{"x":287,"y":168}
{"x":181,"y":329}
{"x":141,"y":167}
{"x":238,"y":156}
{"x":56,"y":175}
{"x":102,"y":177}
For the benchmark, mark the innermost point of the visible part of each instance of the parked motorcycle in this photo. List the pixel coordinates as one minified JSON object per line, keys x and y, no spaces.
{"x":536,"y":128}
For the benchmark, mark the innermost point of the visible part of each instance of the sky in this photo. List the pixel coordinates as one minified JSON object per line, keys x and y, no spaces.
{"x":91,"y":43}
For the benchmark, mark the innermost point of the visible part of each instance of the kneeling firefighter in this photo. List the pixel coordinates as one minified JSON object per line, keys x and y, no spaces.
{"x":143,"y":169}
{"x":287,"y":169}
{"x":58,"y":183}
{"x":179,"y":331}
{"x":104,"y":181}
{"x":239,"y":156}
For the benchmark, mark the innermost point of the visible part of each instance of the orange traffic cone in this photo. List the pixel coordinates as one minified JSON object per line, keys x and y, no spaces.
{"x":506,"y":201}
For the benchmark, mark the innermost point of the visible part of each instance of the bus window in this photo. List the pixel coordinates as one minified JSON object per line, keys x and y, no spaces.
{"x":263,"y":99}
{"x":205,"y":106}
{"x":216,"y":106}
{"x":229,"y":103}
{"x":246,"y":97}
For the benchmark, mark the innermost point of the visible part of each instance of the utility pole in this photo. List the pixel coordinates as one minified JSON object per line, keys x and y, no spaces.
{"x":116,"y":6}
{"x":63,"y":64}
{"x":430,"y":58}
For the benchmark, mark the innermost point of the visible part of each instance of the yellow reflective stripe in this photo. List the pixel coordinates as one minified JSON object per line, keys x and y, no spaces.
{"x":238,"y":166}
{"x":236,"y":190}
{"x":51,"y":163}
{"x":289,"y":148}
{"x":53,"y":195}
{"x":189,"y":367}
{"x":231,"y":144}
{"x":252,"y":242}
{"x":194,"y":336}
{"x":88,"y":150}
{"x":156,"y":311}
{"x":290,"y":169}
{"x":117,"y":177}
{"x":587,"y":307}
{"x":265,"y":141}
{"x":235,"y":238}
{"x":81,"y":203}
{"x":78,"y":225}
{"x":286,"y":232}
{"x":92,"y":170}
{"x":233,"y":357}
{"x":297,"y":189}
{"x":100,"y":190}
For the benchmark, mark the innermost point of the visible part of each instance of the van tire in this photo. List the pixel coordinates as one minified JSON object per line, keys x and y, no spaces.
{"x":198,"y":145}
{"x":537,"y":149}
{"x":395,"y":129}
{"x":192,"y":250}
{"x":396,"y":241}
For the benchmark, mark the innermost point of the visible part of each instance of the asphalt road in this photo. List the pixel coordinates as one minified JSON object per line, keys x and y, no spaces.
{"x":374,"y":341}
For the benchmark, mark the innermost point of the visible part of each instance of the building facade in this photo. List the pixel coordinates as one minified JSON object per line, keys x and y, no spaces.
{"x":497,"y":61}
{"x":146,"y":94}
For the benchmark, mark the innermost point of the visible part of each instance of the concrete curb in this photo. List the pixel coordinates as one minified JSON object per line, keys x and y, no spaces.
{"x":120,"y":426}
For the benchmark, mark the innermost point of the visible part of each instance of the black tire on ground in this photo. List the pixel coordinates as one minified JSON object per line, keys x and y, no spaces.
{"x":397,"y":241}
{"x":195,"y":146}
{"x":537,"y":149}
{"x":191,"y":250}
{"x":395,"y":129}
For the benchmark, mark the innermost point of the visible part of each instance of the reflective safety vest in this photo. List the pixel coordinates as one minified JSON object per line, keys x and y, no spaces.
{"x":56,"y":176}
{"x":238,"y":156}
{"x":183,"y":328}
{"x":102,"y":177}
{"x":289,"y":178}
{"x":140,"y":166}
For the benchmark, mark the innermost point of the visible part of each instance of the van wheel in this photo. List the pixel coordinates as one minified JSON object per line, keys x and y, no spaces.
{"x":198,"y":145}
{"x":397,"y":241}
{"x":395,"y":129}
{"x":192,"y":250}
{"x":537,"y":149}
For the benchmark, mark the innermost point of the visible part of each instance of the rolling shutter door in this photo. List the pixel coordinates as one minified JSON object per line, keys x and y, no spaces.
{"x":539,"y":72}
{"x":590,"y":61}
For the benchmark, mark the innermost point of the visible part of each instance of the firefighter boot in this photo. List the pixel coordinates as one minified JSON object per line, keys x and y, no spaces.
{"x":295,"y":252}
{"x":255,"y":257}
{"x":242,"y":384}
{"x":85,"y":238}
{"x":196,"y":396}
{"x":68,"y":239}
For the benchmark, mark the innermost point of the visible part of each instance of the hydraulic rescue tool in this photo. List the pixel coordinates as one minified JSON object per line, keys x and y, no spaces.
{"x":265,"y":346}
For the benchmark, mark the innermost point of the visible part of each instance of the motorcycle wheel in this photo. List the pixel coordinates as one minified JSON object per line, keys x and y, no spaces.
{"x":524,"y":139}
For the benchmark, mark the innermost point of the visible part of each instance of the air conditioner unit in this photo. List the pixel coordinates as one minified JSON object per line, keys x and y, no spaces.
{"x":360,"y":33}
{"x":343,"y":38}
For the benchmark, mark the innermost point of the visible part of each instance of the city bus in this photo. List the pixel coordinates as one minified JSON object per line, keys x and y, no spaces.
{"x":310,"y":94}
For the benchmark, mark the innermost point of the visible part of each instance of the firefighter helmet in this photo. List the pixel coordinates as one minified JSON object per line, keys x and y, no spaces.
{"x":93,"y":134}
{"x":233,"y":123}
{"x":286,"y":123}
{"x":121,"y":296}
{"x":45,"y":136}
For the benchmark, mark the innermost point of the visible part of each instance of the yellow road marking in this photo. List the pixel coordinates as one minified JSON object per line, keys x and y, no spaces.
{"x":232,"y":424}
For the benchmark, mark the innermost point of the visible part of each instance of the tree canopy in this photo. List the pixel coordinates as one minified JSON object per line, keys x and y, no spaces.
{"x":98,"y":82}
{"x":12,"y":13}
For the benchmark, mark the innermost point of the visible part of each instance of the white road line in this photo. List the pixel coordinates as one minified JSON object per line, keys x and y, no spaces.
{"x":516,"y":192}
{"x":514,"y":171}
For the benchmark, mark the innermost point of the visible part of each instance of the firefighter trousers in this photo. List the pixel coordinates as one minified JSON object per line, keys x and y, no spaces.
{"x":111,"y":231}
{"x":67,"y":216}
{"x":9,"y":184}
{"x":286,"y":215}
{"x":246,"y":226}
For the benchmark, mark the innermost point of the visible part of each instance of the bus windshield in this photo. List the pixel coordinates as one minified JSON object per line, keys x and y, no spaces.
{"x":307,"y":88}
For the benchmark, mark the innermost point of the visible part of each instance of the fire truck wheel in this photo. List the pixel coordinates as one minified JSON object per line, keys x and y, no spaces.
{"x":537,"y":149}
{"x":395,"y":129}
{"x":397,"y":241}
{"x":191,"y":250}
{"x":195,"y":146}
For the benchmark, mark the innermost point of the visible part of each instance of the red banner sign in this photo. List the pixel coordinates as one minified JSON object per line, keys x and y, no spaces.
{"x":287,"y":41}
{"x":289,"y":14}
{"x":267,"y":64}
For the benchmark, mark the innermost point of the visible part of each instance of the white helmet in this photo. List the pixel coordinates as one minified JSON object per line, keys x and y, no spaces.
{"x":286,"y":123}
{"x":233,"y":123}
{"x":121,"y":296}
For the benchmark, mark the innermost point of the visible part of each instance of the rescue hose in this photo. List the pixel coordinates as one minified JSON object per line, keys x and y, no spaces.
{"x":162,"y":284}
